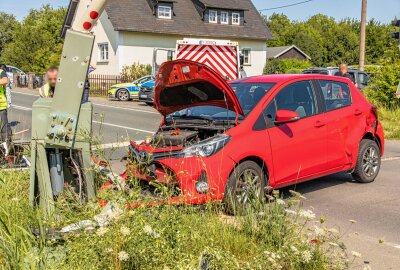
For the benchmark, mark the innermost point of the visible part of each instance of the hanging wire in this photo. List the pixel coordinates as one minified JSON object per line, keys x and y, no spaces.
{"x":285,"y":6}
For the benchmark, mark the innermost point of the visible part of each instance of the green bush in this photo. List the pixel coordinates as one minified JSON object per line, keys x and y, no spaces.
{"x":135,"y":71}
{"x":382,"y":90}
{"x":285,"y":66}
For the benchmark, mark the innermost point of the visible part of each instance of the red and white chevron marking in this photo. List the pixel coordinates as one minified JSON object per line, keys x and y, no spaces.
{"x":222,"y":59}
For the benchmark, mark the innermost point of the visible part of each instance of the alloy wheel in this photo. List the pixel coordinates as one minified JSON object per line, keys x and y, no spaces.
{"x":123,"y":95}
{"x":248,"y":186}
{"x":370,"y":161}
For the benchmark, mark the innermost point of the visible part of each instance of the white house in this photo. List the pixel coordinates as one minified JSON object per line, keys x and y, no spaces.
{"x":128,"y":31}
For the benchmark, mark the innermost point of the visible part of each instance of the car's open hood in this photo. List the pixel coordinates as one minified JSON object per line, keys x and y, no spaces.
{"x":183,"y":84}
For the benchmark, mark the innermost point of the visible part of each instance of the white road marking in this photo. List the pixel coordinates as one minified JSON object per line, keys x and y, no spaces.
{"x":390,"y":158}
{"x":21,"y":108}
{"x":96,"y":122}
{"x":124,"y":127}
{"x":125,"y":108}
{"x":111,"y":145}
{"x":101,"y":105}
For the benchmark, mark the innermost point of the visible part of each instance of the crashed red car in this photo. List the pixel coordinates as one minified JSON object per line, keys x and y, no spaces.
{"x":243,"y":138}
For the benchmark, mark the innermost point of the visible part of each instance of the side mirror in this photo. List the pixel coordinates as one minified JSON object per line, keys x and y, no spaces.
{"x":286,"y":116}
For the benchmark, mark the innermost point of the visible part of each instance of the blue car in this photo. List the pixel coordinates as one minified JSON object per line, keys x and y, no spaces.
{"x":127,"y":91}
{"x":146,"y":92}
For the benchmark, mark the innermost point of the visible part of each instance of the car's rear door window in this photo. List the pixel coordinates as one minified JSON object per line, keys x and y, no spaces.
{"x":336,"y":94}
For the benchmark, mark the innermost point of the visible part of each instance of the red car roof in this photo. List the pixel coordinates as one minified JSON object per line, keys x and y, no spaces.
{"x":277,"y":78}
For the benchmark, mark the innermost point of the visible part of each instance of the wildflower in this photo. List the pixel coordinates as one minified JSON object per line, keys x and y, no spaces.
{"x":306,"y":256}
{"x":109,"y":250}
{"x":356,"y":254}
{"x":294,"y":249}
{"x":353,"y":221}
{"x":280,"y":202}
{"x":318,"y":230}
{"x":102,"y":231}
{"x":15,"y":199}
{"x":290,"y":212}
{"x":125,"y":231}
{"x":149,"y":231}
{"x":308,"y":214}
{"x":123,"y":256}
{"x":270,"y":198}
{"x":322,"y":220}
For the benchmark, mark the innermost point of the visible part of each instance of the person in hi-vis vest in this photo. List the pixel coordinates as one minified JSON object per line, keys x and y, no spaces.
{"x":47,"y":90}
{"x":5,"y":131}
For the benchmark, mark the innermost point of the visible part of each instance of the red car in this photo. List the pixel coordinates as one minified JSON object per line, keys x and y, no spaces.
{"x":237,"y":140}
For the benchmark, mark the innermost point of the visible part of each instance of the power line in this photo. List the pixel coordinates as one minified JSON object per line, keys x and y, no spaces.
{"x":291,"y":5}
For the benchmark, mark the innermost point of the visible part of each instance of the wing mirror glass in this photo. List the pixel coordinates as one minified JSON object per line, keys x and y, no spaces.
{"x":286,"y":116}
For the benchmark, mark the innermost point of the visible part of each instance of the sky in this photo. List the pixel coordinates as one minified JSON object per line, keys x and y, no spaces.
{"x":382,"y":10}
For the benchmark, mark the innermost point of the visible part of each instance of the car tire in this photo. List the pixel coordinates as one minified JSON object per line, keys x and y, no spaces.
{"x":123,"y":95}
{"x":368,"y":162}
{"x":244,"y":188}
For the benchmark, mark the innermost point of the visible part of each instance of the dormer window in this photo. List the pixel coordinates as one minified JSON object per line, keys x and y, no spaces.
{"x":164,"y":12}
{"x":236,"y":18}
{"x":213,"y":16}
{"x":224,"y":17}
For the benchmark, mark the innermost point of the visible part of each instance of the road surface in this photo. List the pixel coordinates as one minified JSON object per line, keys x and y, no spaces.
{"x":375,"y":207}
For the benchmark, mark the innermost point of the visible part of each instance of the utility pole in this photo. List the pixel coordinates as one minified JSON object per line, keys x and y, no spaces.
{"x":363,"y":33}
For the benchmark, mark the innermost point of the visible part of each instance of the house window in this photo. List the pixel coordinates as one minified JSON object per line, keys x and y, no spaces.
{"x":224,"y":17}
{"x":164,"y":12}
{"x":246,"y":56}
{"x":213,"y":16}
{"x":236,"y":18}
{"x":103,"y":52}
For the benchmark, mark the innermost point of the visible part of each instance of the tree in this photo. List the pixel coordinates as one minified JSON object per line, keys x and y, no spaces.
{"x":8,"y":23}
{"x":329,"y":42}
{"x":36,"y":43}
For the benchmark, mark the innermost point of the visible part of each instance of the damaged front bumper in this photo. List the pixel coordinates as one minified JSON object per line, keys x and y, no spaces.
{"x":198,"y":180}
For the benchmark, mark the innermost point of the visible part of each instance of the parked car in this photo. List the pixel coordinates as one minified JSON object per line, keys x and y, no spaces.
{"x":361,"y":78}
{"x":233,"y":142}
{"x":146,"y":93}
{"x":23,"y":77}
{"x":128,"y":91}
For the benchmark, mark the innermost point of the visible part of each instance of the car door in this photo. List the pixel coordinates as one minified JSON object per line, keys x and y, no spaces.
{"x":299,"y":148}
{"x":341,"y":119}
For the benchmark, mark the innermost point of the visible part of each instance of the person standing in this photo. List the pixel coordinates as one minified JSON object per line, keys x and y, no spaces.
{"x":5,"y":131}
{"x":344,"y":72}
{"x":47,"y":90}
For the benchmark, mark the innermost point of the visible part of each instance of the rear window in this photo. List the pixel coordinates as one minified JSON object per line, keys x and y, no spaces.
{"x":336,"y":94}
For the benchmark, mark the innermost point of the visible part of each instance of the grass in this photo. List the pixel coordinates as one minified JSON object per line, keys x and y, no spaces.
{"x":390,"y":120}
{"x":276,"y":235}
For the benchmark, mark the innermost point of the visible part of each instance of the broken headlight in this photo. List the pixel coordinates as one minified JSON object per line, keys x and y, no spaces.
{"x":208,"y":147}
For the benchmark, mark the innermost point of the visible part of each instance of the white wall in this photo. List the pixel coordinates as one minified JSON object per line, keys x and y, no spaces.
{"x":126,"y":48}
{"x":258,"y":56}
{"x":104,"y":33}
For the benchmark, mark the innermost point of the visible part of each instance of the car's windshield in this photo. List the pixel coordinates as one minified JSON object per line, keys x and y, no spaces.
{"x":248,"y":94}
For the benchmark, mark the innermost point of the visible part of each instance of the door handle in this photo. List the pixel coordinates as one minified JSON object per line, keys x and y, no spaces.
{"x":319,"y":124}
{"x":357,"y":112}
